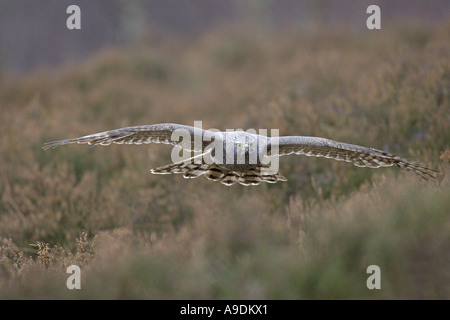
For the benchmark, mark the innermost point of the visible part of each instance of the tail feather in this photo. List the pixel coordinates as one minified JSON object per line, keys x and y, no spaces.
{"x":255,"y":176}
{"x":190,"y":169}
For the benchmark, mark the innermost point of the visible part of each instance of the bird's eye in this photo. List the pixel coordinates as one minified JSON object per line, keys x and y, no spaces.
{"x":238,"y":145}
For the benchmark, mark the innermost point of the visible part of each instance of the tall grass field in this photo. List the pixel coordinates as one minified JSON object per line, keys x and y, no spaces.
{"x":135,"y":235}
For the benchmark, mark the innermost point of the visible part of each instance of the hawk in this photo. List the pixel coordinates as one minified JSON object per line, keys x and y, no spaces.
{"x":241,"y":157}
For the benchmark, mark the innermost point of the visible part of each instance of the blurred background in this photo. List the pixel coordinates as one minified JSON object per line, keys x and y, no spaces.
{"x":303,"y":67}
{"x":33,"y":33}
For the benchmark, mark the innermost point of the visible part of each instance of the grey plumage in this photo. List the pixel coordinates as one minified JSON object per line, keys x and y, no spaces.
{"x":239,"y":157}
{"x":155,"y":133}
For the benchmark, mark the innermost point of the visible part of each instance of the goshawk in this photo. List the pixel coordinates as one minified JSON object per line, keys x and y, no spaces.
{"x":239,"y":156}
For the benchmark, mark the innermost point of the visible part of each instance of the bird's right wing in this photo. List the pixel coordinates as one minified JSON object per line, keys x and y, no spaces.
{"x":187,"y":137}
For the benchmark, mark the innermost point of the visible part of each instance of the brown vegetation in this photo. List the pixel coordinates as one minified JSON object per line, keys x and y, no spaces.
{"x":137,"y":235}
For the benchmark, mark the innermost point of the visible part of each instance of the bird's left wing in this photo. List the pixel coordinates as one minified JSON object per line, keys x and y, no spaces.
{"x":358,"y":155}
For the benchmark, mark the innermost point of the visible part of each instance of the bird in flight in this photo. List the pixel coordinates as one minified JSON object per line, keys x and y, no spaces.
{"x":241,"y":157}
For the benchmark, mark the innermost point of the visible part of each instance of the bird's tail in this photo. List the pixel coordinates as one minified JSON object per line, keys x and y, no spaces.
{"x":252,"y":176}
{"x":196,"y":166}
{"x":190,"y":168}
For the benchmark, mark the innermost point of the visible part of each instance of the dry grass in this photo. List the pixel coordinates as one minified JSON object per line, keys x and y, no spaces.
{"x":136,"y":235}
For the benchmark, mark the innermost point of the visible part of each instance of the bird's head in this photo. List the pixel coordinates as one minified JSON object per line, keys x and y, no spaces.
{"x":245,"y":147}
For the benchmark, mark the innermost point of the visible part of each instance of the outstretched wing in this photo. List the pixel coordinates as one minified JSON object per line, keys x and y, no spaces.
{"x":187,"y":137}
{"x":358,"y":155}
